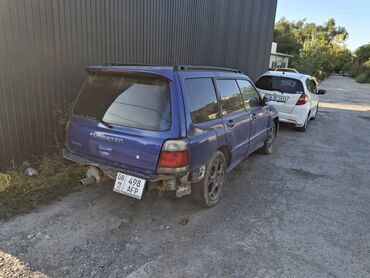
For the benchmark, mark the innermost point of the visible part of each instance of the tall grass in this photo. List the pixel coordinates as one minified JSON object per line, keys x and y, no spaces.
{"x":55,"y":179}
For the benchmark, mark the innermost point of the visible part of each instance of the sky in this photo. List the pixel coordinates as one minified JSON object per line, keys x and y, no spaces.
{"x":352,"y":14}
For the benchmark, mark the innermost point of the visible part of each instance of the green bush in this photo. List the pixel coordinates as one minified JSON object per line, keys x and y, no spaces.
{"x":364,"y":77}
{"x":356,"y":69}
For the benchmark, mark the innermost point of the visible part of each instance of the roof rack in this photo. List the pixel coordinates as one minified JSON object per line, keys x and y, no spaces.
{"x":204,"y":68}
{"x":133,"y":64}
{"x":179,"y":67}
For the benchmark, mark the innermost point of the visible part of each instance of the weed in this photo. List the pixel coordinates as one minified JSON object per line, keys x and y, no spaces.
{"x":55,"y":179}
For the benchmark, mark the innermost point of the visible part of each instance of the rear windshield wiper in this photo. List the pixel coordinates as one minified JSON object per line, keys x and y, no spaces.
{"x":104,"y":123}
{"x":278,"y":90}
{"x":96,"y":119}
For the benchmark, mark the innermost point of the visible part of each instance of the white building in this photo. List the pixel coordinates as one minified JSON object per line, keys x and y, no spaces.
{"x":278,"y":60}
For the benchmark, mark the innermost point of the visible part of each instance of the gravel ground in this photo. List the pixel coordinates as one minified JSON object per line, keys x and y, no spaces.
{"x":303,"y":211}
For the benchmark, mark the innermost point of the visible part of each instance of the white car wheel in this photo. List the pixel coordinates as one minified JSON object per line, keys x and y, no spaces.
{"x":317,"y":110}
{"x":304,"y":127}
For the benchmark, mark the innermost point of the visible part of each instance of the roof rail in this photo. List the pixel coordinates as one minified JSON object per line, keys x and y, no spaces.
{"x":204,"y":68}
{"x":179,"y":67}
{"x":132,"y":64}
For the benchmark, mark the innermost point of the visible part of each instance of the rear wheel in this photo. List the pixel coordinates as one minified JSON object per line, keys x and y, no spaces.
{"x":317,"y":110}
{"x":304,"y":127}
{"x":268,"y":146}
{"x":208,"y":191}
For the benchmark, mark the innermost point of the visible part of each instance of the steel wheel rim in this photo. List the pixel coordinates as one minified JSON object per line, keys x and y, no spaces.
{"x":216,"y":179}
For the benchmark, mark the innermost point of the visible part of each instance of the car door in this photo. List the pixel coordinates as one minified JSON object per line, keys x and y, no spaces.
{"x":205,"y":128}
{"x":235,"y":118}
{"x":258,"y":113}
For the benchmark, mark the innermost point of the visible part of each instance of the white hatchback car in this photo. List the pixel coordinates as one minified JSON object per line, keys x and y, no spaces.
{"x":294,"y":95}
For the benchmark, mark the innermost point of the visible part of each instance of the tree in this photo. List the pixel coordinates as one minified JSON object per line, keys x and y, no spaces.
{"x":361,"y":67}
{"x":363,"y":53}
{"x":332,"y":30}
{"x":318,"y":49}
{"x":285,"y":37}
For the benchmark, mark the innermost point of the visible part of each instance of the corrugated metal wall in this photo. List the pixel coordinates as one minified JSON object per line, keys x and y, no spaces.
{"x":45,"y":45}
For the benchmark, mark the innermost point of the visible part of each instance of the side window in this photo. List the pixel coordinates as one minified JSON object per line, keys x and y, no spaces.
{"x":202,"y":99}
{"x":231,"y":100}
{"x":250,"y":95}
{"x":309,"y":85}
{"x":313,"y":85}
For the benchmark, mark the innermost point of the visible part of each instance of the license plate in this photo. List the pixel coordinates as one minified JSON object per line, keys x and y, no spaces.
{"x":277,"y":98}
{"x":129,"y":185}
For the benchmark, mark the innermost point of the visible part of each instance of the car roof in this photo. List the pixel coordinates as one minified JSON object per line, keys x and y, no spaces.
{"x":286,"y":69}
{"x":165,"y":71}
{"x":293,"y":75}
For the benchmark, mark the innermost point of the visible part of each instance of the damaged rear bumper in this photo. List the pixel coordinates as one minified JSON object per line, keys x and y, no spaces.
{"x":181,"y":184}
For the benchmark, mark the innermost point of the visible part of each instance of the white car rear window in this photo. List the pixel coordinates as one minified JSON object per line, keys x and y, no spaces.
{"x":281,"y":84}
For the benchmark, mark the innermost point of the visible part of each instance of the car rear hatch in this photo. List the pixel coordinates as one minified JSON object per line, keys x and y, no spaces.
{"x":282,"y":92}
{"x":122,"y":119}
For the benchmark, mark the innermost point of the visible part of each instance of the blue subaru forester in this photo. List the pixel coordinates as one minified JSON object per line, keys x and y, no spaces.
{"x":179,"y":128}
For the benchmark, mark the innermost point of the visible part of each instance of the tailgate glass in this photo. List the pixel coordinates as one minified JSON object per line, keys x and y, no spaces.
{"x":131,"y":101}
{"x":280,"y":84}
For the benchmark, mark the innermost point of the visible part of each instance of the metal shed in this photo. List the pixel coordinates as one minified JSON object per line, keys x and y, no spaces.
{"x":46,"y":44}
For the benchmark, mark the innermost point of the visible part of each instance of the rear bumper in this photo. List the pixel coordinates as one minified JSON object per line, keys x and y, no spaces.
{"x":111,"y":171}
{"x":162,"y":182}
{"x":297,"y":116}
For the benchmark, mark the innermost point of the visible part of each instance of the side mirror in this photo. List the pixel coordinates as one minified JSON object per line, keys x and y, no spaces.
{"x":265,"y":100}
{"x":321,"y":92}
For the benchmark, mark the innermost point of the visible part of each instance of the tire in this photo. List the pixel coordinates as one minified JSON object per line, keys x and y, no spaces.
{"x":317,"y":110}
{"x":304,"y":127}
{"x":208,"y":191}
{"x":268,"y":145}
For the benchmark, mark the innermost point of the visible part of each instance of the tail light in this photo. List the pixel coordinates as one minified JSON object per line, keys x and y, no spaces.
{"x":303,"y":98}
{"x":174,"y":157}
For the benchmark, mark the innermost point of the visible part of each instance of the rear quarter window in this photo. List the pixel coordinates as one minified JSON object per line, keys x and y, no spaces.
{"x":138,"y":102}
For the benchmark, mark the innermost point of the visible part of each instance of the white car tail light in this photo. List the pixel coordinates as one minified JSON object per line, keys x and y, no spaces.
{"x":303,"y":98}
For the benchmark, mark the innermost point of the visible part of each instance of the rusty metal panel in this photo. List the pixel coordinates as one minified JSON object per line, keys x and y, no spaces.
{"x":46,"y":44}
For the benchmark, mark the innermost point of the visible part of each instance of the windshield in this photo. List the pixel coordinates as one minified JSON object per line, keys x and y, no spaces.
{"x":281,"y":84}
{"x":130,"y":101}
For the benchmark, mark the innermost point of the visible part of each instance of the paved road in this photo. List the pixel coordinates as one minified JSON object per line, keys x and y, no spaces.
{"x":303,"y":211}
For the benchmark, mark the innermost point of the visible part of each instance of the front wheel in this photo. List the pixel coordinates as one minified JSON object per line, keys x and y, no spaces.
{"x":208,"y":191}
{"x":268,"y":145}
{"x":304,"y":127}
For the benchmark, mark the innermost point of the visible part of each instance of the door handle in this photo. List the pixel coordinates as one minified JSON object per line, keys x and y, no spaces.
{"x":254,"y":116}
{"x":230,"y":123}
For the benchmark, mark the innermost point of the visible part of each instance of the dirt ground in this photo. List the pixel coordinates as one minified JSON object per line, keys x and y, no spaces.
{"x":303,"y":211}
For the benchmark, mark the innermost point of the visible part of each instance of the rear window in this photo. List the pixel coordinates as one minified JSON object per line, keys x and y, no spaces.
{"x":282,"y":84}
{"x":129,"y":101}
